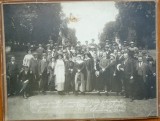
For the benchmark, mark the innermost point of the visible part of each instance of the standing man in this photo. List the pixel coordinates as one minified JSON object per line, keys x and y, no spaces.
{"x":104,"y":65}
{"x":40,"y":50}
{"x":33,"y":69}
{"x":43,"y":65}
{"x":143,"y":72}
{"x":128,"y":68}
{"x":12,"y":74}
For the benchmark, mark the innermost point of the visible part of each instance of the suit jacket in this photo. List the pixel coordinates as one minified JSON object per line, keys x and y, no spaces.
{"x":104,"y":63}
{"x":143,"y":70}
{"x":12,"y":69}
{"x":24,"y":76}
{"x":43,"y":64}
{"x":129,"y":68}
{"x":34,"y":66}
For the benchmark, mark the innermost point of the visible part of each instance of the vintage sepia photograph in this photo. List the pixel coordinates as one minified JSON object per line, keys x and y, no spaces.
{"x":80,"y":60}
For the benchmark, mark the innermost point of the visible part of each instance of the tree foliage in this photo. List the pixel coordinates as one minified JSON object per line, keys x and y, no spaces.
{"x":135,"y":22}
{"x":109,"y":32}
{"x":33,"y":23}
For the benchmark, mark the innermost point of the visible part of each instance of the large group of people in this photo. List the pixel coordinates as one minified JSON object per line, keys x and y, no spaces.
{"x":114,"y":67}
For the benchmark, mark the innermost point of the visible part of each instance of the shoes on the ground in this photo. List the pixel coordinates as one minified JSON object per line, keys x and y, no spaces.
{"x":99,"y":93}
{"x":8,"y":95}
{"x":83,"y":93}
{"x":25,"y":96}
{"x":106,"y":93}
{"x":43,"y":92}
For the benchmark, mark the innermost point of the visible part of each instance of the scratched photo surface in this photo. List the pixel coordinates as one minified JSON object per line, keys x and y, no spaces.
{"x":78,"y":60}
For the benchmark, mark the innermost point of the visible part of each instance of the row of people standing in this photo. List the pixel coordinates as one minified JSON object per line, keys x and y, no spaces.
{"x":86,"y":72}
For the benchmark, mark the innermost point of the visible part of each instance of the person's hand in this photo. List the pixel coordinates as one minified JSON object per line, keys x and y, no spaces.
{"x":122,"y":69}
{"x":97,"y":73}
{"x":154,"y":74}
{"x":31,"y":72}
{"x":79,"y":70}
{"x":131,"y":77}
{"x":114,"y":74}
{"x":26,"y":81}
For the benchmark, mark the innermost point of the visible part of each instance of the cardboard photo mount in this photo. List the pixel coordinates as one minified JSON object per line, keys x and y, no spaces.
{"x":3,"y":101}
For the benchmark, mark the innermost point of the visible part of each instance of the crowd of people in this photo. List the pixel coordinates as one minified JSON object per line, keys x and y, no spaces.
{"x":114,"y":67}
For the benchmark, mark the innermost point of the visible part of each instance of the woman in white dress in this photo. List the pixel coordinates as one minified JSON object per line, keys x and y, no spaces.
{"x":27,"y":58}
{"x":59,"y":74}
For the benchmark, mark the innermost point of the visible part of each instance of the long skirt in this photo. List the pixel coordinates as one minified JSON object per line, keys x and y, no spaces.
{"x":79,"y":82}
{"x":67,"y":85}
{"x":88,"y":82}
{"x":51,"y":82}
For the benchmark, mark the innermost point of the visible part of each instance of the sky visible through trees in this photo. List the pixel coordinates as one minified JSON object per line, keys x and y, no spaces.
{"x":37,"y":23}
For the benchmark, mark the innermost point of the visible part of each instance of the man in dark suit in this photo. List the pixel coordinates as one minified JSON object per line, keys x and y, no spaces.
{"x":152,"y":77}
{"x":104,"y":65}
{"x":40,"y":50}
{"x":43,"y":66}
{"x":24,"y":78}
{"x":143,"y":72}
{"x":128,"y":68}
{"x":12,"y":74}
{"x":33,"y":69}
